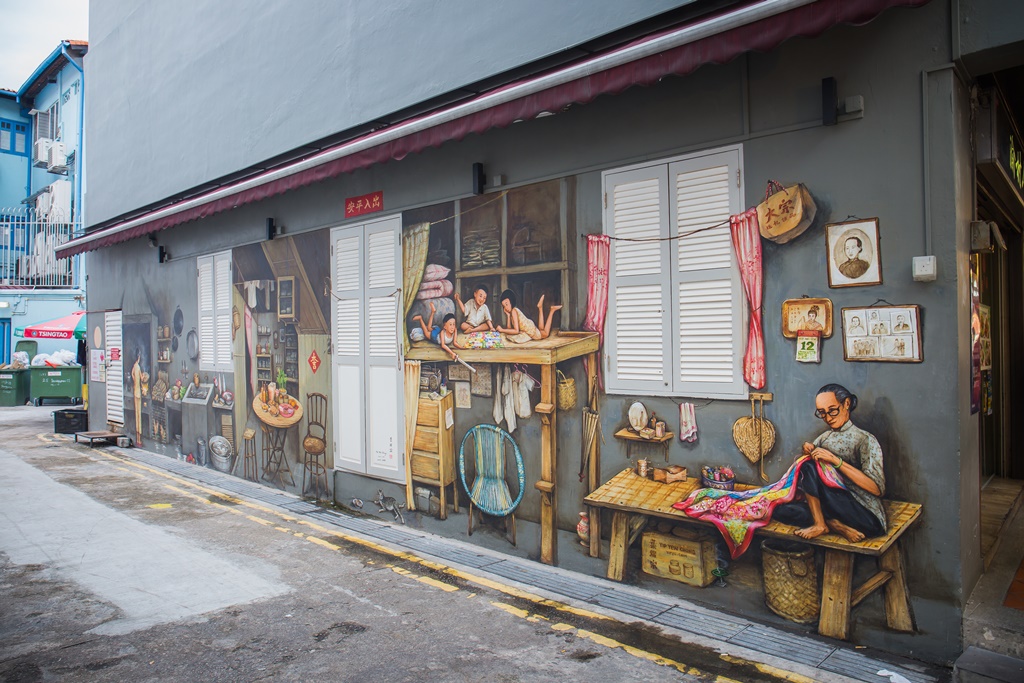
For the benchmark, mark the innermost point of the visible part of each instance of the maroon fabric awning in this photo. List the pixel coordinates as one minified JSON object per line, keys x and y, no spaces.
{"x":808,"y":20}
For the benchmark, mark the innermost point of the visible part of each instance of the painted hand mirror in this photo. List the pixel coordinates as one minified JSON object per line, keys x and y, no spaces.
{"x":638,"y":416}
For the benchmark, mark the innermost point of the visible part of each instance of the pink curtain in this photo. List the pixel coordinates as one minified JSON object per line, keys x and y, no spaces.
{"x":746,"y":242}
{"x":598,"y":255}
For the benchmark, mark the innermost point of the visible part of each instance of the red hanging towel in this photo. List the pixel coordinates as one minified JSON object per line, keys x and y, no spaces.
{"x":746,"y":242}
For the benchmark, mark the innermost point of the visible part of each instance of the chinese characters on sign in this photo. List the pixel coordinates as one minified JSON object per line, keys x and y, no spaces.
{"x":314,"y":361}
{"x":367,"y":203}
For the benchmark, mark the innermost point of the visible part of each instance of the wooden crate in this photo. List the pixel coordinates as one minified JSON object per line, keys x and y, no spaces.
{"x":688,"y":558}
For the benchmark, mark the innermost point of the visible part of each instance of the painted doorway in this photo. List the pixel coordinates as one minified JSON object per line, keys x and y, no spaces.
{"x":5,"y":340}
{"x":113,"y":352}
{"x":367,"y":359}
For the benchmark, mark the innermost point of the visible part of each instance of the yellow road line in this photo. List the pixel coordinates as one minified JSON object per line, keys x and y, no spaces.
{"x":782,"y":674}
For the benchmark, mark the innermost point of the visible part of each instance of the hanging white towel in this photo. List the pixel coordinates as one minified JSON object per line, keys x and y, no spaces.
{"x":687,"y":423}
{"x":522,"y":385}
{"x":498,"y":409}
{"x":250,"y":293}
{"x":509,"y":395}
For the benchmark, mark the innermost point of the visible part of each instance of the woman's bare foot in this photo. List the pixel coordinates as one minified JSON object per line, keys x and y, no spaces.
{"x":555,"y":307}
{"x":811,"y":532}
{"x":847,"y":532}
{"x":418,"y":317}
{"x":540,"y":302}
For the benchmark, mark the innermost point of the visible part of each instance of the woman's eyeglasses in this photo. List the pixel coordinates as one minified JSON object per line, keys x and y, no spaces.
{"x":831,"y":412}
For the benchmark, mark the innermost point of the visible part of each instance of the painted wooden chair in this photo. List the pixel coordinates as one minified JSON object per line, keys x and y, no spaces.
{"x":489,"y":492}
{"x":315,"y":445}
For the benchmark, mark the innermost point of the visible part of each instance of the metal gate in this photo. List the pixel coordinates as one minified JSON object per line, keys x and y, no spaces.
{"x":28,"y":246}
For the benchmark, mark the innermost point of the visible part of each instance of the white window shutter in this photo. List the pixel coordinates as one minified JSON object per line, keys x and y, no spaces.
{"x":207,"y":313}
{"x":709,"y":349}
{"x":215,"y":312}
{"x":639,"y":302}
{"x":222,"y":287}
{"x":382,"y":321}
{"x":347,"y":358}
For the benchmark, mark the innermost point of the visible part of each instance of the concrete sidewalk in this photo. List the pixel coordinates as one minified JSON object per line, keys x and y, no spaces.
{"x":811,"y":658}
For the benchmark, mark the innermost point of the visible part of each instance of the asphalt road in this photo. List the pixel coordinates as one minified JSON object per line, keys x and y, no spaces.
{"x":110,"y":571}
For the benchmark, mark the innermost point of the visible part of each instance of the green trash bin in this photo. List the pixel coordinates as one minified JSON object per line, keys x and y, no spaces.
{"x":60,"y":382}
{"x":13,"y":387}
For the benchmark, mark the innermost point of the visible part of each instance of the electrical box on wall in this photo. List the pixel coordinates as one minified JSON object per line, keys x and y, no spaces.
{"x":924,"y":268}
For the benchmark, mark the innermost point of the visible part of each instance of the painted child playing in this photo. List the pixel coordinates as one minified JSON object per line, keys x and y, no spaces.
{"x":521,"y":329}
{"x":444,"y":335}
{"x":478,"y":316}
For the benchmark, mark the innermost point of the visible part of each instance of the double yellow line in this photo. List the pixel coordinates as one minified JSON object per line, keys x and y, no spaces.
{"x":245,"y":509}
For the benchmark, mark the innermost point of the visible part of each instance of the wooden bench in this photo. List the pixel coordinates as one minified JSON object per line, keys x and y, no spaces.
{"x":634,"y":500}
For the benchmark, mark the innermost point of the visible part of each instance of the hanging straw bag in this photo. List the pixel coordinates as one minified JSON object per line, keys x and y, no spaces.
{"x":785,"y":212}
{"x":566,"y":391}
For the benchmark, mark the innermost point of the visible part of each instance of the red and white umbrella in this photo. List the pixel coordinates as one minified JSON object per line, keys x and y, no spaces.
{"x":67,"y":327}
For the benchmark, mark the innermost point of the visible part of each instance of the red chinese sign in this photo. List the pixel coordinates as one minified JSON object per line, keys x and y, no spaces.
{"x":115,"y":353}
{"x":314,"y":361}
{"x":367,"y":203}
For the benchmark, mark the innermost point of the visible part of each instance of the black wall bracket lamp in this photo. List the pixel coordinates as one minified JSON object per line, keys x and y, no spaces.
{"x":165,"y":255}
{"x":479,"y":179}
{"x":271,"y":229}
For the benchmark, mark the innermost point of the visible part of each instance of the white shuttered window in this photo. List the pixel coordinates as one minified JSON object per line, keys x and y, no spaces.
{"x":215,"y":312}
{"x":675,"y":307}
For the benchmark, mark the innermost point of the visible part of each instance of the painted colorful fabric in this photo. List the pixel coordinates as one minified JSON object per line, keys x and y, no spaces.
{"x":737,"y":514}
{"x":482,"y":340}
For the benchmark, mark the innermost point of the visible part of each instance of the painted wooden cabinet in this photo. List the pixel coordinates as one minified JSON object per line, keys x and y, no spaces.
{"x":433,"y":449}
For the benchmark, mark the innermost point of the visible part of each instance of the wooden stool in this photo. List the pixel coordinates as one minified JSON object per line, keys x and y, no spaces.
{"x":249,"y":454}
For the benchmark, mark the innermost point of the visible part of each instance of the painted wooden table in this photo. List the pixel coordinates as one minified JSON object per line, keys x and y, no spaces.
{"x":277,"y":430}
{"x":560,"y":346}
{"x":633,"y":500}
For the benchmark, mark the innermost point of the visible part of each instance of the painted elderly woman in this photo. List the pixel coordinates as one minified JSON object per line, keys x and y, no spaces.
{"x":854,"y":512}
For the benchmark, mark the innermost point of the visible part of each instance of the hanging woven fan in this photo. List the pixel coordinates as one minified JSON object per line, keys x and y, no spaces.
{"x":754,"y":435}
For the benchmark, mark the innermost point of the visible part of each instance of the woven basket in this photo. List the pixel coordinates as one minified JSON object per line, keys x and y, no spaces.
{"x":791,"y":581}
{"x":566,"y":391}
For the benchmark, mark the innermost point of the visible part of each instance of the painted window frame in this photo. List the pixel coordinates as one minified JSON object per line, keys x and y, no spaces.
{"x":13,"y":133}
{"x":213,"y":273}
{"x":658,"y":288}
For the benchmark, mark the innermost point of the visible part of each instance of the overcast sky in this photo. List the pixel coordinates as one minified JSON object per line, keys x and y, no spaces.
{"x":32,"y":29}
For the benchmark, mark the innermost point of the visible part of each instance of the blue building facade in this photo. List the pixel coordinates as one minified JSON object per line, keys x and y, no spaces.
{"x":41,"y":183}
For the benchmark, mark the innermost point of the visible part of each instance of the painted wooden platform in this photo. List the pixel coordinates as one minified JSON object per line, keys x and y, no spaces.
{"x":633,"y":500}
{"x":560,"y":346}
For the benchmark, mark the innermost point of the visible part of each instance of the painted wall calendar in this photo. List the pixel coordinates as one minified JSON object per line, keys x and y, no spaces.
{"x":882,"y":333}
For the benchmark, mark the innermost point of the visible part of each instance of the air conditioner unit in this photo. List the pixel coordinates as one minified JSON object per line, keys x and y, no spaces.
{"x":60,"y":202}
{"x":43,"y":203}
{"x":57,"y":159}
{"x":41,"y":152}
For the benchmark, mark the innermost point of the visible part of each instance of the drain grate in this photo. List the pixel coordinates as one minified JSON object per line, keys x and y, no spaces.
{"x":445,"y":552}
{"x":628,"y":603}
{"x":782,"y":644}
{"x":856,"y":665}
{"x":550,"y":581}
{"x":717,"y":626}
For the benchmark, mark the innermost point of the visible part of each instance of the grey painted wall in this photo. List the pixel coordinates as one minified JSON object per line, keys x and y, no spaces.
{"x":867,"y":167}
{"x":181,"y":93}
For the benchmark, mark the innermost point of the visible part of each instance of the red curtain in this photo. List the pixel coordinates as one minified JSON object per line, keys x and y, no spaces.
{"x":746,"y":242}
{"x":598,"y":255}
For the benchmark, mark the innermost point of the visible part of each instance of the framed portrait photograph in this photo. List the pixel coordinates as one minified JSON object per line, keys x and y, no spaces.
{"x":810,"y":315}
{"x":854,"y":258}
{"x":882,"y":333}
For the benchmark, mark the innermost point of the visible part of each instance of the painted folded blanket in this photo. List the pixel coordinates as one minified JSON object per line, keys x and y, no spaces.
{"x":482,"y":340}
{"x":737,"y":514}
{"x":435,"y":289}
